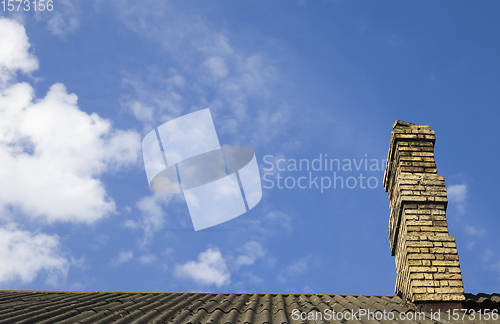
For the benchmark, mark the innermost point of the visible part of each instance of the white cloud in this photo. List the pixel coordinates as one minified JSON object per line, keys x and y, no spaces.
{"x":100,"y":241}
{"x":77,"y":286}
{"x":210,"y":269}
{"x":295,"y":269}
{"x":307,"y":290}
{"x":14,"y":55}
{"x":213,"y":71}
{"x":147,"y":258}
{"x":52,"y":152}
{"x":216,"y":66}
{"x":152,"y":216}
{"x":251,"y":252}
{"x":457,"y":194}
{"x":474,"y":230}
{"x":153,"y":96}
{"x":253,"y":278}
{"x":487,"y":255}
{"x":271,"y":223}
{"x":123,"y":257}
{"x":496,"y":266}
{"x":24,"y":255}
{"x":281,"y":220}
{"x":64,"y":18}
{"x":140,"y":111}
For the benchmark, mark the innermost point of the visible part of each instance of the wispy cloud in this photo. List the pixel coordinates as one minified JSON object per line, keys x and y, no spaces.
{"x":496,"y":267}
{"x":210,"y":269}
{"x":271,"y":222}
{"x":457,"y":194}
{"x":491,"y":261}
{"x":64,"y":18}
{"x":240,"y":88}
{"x":153,"y":97}
{"x":251,"y":252}
{"x":249,"y":275}
{"x":23,"y":255}
{"x":153,"y":216}
{"x":123,"y":257}
{"x":297,"y":268}
{"x":147,"y":259}
{"x":474,"y":230}
{"x":100,"y":241}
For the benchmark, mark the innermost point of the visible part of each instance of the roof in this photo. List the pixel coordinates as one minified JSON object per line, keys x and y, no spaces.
{"x":44,"y":307}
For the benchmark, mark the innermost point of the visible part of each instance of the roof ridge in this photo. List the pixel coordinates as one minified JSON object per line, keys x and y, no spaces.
{"x":191,"y":292}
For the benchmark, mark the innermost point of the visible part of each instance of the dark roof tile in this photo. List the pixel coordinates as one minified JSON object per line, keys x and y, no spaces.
{"x":148,"y":308}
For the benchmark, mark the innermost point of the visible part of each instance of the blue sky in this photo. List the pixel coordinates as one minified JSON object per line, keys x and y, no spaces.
{"x":83,"y":84}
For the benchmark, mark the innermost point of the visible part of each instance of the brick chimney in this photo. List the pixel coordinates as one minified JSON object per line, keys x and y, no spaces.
{"x":427,"y":265}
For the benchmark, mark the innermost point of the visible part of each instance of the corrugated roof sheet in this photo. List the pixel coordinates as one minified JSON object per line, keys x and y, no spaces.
{"x":43,"y":307}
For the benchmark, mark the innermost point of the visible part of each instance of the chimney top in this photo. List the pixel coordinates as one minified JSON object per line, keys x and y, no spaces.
{"x":427,"y":265}
{"x":401,"y":124}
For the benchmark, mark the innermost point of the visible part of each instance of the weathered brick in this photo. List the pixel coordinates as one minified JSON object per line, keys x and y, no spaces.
{"x":446,"y":263}
{"x":444,"y":250}
{"x":442,"y":238}
{"x":419,"y":290}
{"x":424,"y":154}
{"x":427,"y":261}
{"x":457,"y":297}
{"x":409,"y":182}
{"x":424,"y":164}
{"x":450,"y":290}
{"x":419,"y":244}
{"x":419,"y":223}
{"x":421,"y":256}
{"x":423,"y":269}
{"x":405,"y":136}
{"x":417,"y":276}
{"x":455,"y":283}
{"x":425,"y":283}
{"x":434,"y":229}
{"x":411,"y":158}
{"x":439,"y":276}
{"x":418,"y":211}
